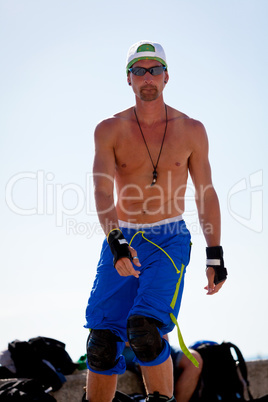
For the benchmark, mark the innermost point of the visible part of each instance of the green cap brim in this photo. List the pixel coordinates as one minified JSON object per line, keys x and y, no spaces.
{"x":145,"y":58}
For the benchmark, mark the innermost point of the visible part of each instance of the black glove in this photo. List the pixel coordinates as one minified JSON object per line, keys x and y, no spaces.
{"x":215,"y":260}
{"x":118,"y":245}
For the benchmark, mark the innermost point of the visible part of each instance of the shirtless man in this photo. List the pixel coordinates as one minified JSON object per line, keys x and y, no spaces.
{"x":147,"y":150}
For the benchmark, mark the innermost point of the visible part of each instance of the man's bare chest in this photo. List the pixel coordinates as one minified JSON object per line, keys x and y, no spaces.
{"x":137,"y":152}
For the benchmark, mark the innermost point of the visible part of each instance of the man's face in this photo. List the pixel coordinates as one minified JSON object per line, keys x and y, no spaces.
{"x":148,"y":87}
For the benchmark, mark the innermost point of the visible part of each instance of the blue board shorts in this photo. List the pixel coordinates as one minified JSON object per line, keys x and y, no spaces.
{"x":164,"y":252}
{"x":176,"y":356}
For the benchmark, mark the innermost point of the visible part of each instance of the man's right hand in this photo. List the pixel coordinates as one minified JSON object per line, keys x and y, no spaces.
{"x":123,"y":254}
{"x":125,"y":267}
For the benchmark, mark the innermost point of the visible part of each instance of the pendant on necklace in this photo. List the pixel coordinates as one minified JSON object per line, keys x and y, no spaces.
{"x":154,"y":165}
{"x":154,"y":178}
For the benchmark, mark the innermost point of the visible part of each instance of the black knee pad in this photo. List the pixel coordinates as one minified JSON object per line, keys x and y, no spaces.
{"x":102,"y":349}
{"x":144,"y":338}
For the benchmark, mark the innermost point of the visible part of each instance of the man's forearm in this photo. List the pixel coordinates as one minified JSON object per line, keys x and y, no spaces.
{"x":209,"y":217}
{"x":106,"y":211}
{"x":122,"y":255}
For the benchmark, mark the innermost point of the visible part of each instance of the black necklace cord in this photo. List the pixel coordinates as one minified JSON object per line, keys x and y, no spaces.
{"x":154,"y":165}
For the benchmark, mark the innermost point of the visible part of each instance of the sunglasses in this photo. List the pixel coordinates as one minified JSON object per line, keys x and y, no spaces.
{"x":140,"y":71}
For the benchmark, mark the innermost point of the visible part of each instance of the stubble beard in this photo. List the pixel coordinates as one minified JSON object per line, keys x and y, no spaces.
{"x":149,"y":93}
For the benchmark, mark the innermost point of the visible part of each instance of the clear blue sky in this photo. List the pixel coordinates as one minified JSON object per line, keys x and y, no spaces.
{"x":62,"y":70}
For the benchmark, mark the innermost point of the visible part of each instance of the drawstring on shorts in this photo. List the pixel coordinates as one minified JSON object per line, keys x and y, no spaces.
{"x":183,"y":347}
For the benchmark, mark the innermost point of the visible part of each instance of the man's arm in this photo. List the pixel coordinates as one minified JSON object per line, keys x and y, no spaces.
{"x":103,"y":177}
{"x":206,"y":198}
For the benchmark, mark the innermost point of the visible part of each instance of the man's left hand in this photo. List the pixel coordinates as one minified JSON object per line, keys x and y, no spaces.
{"x":211,"y":287}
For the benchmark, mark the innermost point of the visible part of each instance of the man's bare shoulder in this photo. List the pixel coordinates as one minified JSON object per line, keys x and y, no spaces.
{"x":116,"y":119}
{"x":197,"y":135}
{"x":193,"y":128}
{"x":124,"y":115}
{"x":176,"y":115}
{"x":111,"y":125}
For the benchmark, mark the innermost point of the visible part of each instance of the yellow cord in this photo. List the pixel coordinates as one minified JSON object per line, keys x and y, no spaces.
{"x":111,"y":231}
{"x":183,"y":347}
{"x":172,"y":305}
{"x":142,"y":233}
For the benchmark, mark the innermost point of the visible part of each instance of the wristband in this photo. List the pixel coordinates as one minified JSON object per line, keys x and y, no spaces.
{"x":118,"y":245}
{"x":215,"y":260}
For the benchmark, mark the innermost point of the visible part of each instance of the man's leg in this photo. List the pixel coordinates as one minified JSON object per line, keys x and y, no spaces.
{"x":153,"y":354}
{"x":188,"y":379}
{"x":104,"y":350}
{"x":100,"y":388}
{"x":159,"y":378}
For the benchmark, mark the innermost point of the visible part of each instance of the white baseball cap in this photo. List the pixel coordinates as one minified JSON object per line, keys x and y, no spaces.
{"x":145,"y":50}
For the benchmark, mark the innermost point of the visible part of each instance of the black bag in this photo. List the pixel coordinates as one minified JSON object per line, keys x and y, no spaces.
{"x":26,"y":354}
{"x":43,"y":359}
{"x":224,"y":377}
{"x":24,"y":390}
{"x":53,"y":351}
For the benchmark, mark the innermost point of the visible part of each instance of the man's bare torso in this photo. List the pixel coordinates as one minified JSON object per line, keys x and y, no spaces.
{"x":137,"y":200}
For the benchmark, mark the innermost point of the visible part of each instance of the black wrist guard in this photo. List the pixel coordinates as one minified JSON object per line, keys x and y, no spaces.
{"x":118,"y":245}
{"x":215,"y":260}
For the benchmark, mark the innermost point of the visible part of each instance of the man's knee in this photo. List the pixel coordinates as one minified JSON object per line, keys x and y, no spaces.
{"x":102,"y":349}
{"x":144,"y":337}
{"x":186,"y":365}
{"x":199,"y":359}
